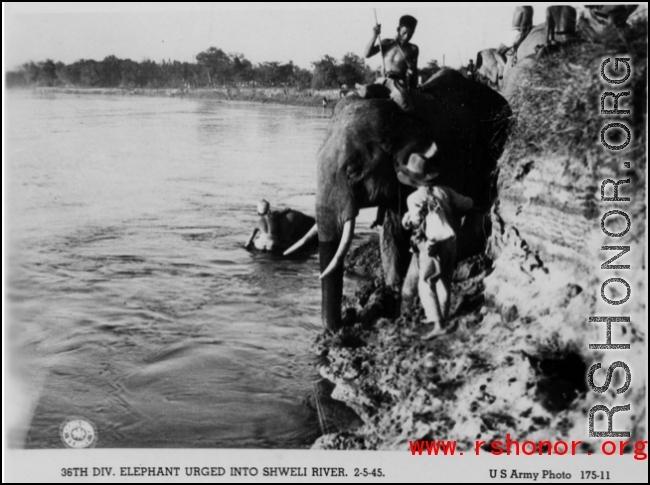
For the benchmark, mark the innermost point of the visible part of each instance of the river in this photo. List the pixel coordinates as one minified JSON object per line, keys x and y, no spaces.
{"x":131,"y":301}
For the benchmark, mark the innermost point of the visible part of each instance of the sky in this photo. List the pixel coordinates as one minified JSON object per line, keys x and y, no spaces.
{"x":262,"y":31}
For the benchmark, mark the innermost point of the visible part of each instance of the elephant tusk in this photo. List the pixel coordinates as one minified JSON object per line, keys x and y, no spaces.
{"x":431,"y":151}
{"x":344,"y":245}
{"x":310,"y":234}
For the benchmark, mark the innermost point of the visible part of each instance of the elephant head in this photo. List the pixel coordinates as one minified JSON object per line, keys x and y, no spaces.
{"x":277,"y":230}
{"x":489,"y":67}
{"x":458,"y":123}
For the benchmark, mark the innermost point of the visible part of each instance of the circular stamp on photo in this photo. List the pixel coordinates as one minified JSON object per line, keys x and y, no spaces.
{"x":78,"y":433}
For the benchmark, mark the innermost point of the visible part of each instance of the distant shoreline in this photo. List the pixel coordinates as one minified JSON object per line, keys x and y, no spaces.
{"x":288,"y":96}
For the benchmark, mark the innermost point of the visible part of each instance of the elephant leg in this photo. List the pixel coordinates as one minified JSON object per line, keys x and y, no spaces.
{"x":394,"y":250}
{"x":473,"y":235}
{"x":331,"y":286}
{"x":379,"y":219}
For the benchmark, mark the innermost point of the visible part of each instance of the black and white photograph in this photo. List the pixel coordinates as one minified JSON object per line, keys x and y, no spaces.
{"x":269,"y":241}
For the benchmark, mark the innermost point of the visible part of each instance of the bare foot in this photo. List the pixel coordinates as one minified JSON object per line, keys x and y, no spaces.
{"x":436,"y":332}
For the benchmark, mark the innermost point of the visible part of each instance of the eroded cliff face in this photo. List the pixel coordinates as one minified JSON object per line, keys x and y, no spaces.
{"x":519,"y":358}
{"x":547,"y":279}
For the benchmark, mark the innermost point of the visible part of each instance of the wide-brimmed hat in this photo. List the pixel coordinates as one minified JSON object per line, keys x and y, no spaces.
{"x":418,"y":171}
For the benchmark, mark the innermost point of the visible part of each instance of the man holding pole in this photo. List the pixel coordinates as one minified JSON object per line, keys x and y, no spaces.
{"x":399,"y":61}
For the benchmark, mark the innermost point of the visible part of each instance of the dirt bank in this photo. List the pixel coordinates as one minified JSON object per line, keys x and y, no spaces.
{"x":518,"y":360}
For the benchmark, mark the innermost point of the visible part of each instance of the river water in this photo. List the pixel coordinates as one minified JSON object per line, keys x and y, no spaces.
{"x":131,"y":301}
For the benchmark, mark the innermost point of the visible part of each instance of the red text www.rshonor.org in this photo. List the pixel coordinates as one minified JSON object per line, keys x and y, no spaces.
{"x":527,"y":448}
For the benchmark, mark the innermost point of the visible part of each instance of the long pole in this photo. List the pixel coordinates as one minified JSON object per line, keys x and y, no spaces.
{"x":381,"y":50}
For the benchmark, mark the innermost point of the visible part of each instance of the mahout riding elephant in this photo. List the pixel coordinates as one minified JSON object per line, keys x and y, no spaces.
{"x":462,"y":127}
{"x":277,"y":230}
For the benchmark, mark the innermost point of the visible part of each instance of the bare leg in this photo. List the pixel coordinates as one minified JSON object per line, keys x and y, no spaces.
{"x":430,"y":302}
{"x":429,"y":275}
{"x":444,"y":297}
{"x":447,"y":251}
{"x":410,"y":287}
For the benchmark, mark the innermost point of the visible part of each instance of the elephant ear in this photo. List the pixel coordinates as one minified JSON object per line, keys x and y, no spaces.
{"x":479,"y":60}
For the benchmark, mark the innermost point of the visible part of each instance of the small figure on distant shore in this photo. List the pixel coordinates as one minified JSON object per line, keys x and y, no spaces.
{"x":325,"y":102}
{"x":471,"y":70}
{"x":434,"y":214}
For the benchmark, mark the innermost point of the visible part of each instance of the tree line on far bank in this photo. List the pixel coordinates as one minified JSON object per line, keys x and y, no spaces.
{"x":213,"y":68}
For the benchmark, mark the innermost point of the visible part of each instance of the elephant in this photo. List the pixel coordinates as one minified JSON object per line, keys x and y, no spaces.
{"x":462,"y":125}
{"x":489,"y":67}
{"x":278,"y":230}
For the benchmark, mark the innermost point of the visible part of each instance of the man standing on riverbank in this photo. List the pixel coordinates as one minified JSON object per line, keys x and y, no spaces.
{"x":434,"y":214}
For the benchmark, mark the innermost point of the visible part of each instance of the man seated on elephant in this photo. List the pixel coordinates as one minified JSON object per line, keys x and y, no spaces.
{"x":522,"y":24}
{"x":400,"y":60}
{"x":434,"y":214}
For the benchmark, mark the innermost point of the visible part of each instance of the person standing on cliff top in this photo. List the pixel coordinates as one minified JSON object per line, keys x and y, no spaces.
{"x":400,"y":60}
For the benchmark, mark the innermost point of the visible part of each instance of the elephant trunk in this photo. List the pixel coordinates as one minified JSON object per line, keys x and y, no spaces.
{"x":331,"y":286}
{"x":332,"y":256}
